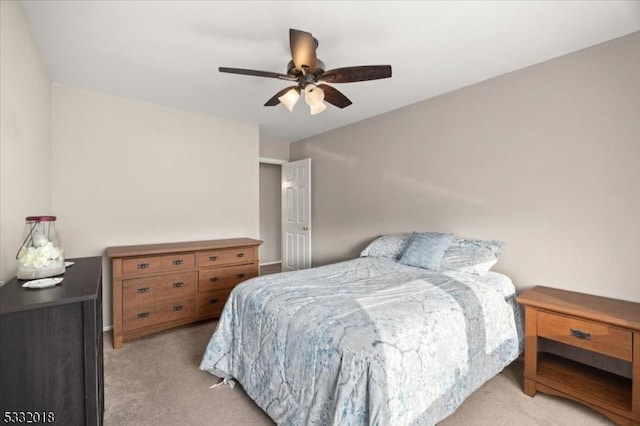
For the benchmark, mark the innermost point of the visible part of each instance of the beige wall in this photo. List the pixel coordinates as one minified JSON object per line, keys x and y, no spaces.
{"x":130,"y":172}
{"x":274,"y":150}
{"x":25,"y":133}
{"x":545,"y":158}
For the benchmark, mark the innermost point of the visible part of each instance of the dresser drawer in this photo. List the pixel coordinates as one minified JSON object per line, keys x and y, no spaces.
{"x":144,"y":290}
{"x":226,"y":256}
{"x":141,"y":266}
{"x":589,"y":335}
{"x":143,"y":315}
{"x":178,"y":262}
{"x":212,"y":302}
{"x":229,"y":277}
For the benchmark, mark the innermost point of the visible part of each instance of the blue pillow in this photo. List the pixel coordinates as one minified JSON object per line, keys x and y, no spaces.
{"x":426,"y":250}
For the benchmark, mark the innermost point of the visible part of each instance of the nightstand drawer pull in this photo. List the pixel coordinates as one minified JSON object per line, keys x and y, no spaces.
{"x":212,"y":301}
{"x":240,"y":276}
{"x":214,"y":279}
{"x":178,"y":284}
{"x":213,"y":258}
{"x":143,"y":290}
{"x":143,"y":265}
{"x":143,"y":315}
{"x":240,"y":255}
{"x":178,"y":262}
{"x":579,"y":334}
{"x":178,"y":307}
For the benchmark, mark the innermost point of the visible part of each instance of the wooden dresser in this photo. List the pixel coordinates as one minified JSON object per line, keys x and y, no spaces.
{"x":585,"y":348}
{"x":51,"y":365}
{"x":159,"y":286}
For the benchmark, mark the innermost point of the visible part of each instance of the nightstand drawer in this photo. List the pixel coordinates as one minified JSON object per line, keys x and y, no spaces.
{"x":589,"y":335}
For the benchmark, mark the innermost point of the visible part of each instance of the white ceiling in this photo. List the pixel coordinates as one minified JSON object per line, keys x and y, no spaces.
{"x":169,"y":51}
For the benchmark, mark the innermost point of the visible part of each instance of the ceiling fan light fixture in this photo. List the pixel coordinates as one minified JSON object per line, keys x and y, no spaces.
{"x":313,"y":94}
{"x":309,"y":74}
{"x":289,"y":99}
{"x":317,"y":108}
{"x":314,"y":97}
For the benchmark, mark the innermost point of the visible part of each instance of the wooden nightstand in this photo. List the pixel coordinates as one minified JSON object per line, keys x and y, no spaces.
{"x":585,"y":348}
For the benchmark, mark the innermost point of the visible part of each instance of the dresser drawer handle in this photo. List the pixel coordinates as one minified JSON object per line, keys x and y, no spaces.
{"x":178,"y":262}
{"x":143,"y":290}
{"x":143,"y":315}
{"x":178,"y":284}
{"x":212,"y":301}
{"x":143,"y":265}
{"x":213,"y":258}
{"x":214,"y":279}
{"x":240,"y":276}
{"x":579,"y":334}
{"x":240,"y":255}
{"x":178,"y":307}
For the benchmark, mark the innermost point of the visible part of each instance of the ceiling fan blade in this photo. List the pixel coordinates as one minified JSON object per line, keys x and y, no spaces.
{"x":303,"y":49}
{"x":334,"y":96}
{"x":256,"y":73}
{"x":352,"y":74}
{"x":274,"y":100}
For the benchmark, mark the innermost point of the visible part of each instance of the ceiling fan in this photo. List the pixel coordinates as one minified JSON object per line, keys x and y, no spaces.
{"x":310,"y":76}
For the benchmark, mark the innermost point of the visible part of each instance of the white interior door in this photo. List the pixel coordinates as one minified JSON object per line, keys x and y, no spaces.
{"x":296,"y":215}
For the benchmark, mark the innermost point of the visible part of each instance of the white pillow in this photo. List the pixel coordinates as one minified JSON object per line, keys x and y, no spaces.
{"x":474,"y":256}
{"x":389,"y":245}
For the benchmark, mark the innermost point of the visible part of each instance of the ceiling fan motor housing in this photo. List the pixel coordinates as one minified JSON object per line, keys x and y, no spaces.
{"x":294,"y":72}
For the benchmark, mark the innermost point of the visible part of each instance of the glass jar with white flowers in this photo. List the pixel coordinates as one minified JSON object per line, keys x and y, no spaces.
{"x":40,"y":254}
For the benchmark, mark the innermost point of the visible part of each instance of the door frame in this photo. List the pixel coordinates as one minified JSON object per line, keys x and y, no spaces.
{"x":276,"y":162}
{"x":297,"y":233}
{"x":279,"y":162}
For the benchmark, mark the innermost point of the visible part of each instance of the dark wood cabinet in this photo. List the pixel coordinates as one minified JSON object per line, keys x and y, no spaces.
{"x":51,"y":365}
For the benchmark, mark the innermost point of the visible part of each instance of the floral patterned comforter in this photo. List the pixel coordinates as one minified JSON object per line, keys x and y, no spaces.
{"x":366,"y":341}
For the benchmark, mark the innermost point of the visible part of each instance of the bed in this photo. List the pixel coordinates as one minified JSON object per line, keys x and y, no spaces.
{"x":370,"y":340}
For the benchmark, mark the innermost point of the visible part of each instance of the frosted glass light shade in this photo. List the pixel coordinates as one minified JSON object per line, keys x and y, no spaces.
{"x":317,"y":108}
{"x":313,"y":94}
{"x":289,"y":99}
